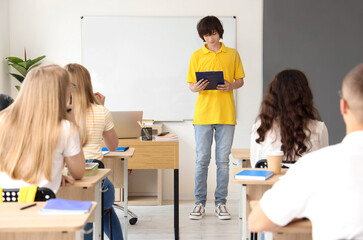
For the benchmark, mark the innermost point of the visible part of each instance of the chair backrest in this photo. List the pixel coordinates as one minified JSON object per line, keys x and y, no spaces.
{"x":5,"y":101}
{"x":12,"y":195}
{"x":261,"y":163}
{"x":100,"y":163}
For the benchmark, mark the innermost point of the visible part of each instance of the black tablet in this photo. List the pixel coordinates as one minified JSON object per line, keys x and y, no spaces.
{"x":214,"y":77}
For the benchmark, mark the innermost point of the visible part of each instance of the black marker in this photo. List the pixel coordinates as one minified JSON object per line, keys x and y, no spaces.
{"x":29,"y":206}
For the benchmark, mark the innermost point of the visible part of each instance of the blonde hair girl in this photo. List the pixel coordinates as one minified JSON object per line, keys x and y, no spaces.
{"x":35,"y":137}
{"x":87,"y":106}
{"x":83,"y":97}
{"x":95,"y":124}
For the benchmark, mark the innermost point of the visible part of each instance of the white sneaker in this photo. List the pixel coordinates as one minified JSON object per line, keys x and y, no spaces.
{"x":222,"y":212}
{"x":198,"y":212}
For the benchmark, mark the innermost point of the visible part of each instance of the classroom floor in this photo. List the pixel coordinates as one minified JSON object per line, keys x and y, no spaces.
{"x":157,"y":222}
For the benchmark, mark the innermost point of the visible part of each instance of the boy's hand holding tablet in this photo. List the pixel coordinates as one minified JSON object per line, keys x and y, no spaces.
{"x":227,"y":86}
{"x":214,"y":79}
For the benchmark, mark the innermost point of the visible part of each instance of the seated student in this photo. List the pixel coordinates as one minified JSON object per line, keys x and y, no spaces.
{"x":37,"y":133}
{"x":95,"y":124}
{"x":324,"y":186}
{"x":5,"y":101}
{"x":288,"y":120}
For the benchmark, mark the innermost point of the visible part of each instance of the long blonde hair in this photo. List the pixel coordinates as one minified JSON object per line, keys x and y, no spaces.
{"x":30,"y":128}
{"x":82,"y":97}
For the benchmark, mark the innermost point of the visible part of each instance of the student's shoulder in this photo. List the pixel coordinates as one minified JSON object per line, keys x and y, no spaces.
{"x":199,"y":52}
{"x":323,"y":156}
{"x":317,"y":126}
{"x":232,"y":52}
{"x":229,"y":49}
{"x":99,"y":108}
{"x":65,"y":127}
{"x":256,"y":125}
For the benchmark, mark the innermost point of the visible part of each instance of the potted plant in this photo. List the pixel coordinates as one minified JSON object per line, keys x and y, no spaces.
{"x":23,"y":66}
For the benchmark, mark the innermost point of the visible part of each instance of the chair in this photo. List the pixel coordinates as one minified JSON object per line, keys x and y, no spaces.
{"x":261,"y":163}
{"x":5,"y":101}
{"x":42,"y":195}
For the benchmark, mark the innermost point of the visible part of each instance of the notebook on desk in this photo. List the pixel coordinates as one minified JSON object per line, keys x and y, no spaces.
{"x":126,"y":125}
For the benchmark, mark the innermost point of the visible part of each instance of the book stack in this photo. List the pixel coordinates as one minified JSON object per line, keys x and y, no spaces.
{"x":119,"y":149}
{"x":148,"y":122}
{"x":167,"y":137}
{"x":254,"y":175}
{"x":91,"y":169}
{"x":63,"y":206}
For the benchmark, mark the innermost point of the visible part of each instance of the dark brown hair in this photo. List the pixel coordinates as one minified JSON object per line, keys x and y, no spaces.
{"x":208,"y":25}
{"x":288,"y":102}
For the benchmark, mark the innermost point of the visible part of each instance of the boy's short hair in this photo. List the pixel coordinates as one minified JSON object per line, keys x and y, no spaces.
{"x":353,"y":91}
{"x":208,"y":25}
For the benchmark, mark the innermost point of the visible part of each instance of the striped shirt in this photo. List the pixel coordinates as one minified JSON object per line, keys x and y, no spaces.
{"x":99,"y":120}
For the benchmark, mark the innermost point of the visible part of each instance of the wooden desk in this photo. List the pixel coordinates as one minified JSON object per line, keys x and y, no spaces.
{"x":243,"y":197}
{"x":148,"y":155}
{"x":296,"y":226}
{"x":155,"y":155}
{"x":88,"y":189}
{"x":28,"y":224}
{"x":243,"y":155}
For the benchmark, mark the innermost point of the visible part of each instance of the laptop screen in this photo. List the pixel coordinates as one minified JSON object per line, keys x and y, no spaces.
{"x":126,"y":125}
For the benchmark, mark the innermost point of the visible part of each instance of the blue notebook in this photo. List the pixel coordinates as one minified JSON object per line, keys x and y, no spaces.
{"x":64,"y":206}
{"x":214,"y":77}
{"x":255,"y":175}
{"x":119,"y":149}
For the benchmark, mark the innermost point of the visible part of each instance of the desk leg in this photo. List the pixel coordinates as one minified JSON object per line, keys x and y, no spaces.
{"x":244,"y":211}
{"x":102,"y":222}
{"x":97,"y":232}
{"x":240,"y":206}
{"x":176,"y":203}
{"x":79,"y":235}
{"x":126,"y":196}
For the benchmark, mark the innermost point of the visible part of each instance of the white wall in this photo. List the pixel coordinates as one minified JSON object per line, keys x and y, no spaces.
{"x":53,"y":28}
{"x":4,"y":46}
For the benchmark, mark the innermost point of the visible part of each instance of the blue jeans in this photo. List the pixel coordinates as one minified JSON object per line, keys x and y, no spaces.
{"x":204,"y":137}
{"x":109,"y":199}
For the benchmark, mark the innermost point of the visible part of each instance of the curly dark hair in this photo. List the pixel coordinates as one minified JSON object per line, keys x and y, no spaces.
{"x":288,"y":102}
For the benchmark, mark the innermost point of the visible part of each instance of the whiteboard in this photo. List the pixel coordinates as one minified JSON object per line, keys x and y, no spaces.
{"x":141,"y":63}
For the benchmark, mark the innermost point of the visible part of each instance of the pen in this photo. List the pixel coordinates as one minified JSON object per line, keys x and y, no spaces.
{"x":31,"y":205}
{"x":146,"y":133}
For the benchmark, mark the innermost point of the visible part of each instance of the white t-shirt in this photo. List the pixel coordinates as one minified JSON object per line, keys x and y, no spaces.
{"x":68,"y":146}
{"x":325,"y":186}
{"x":318,"y":138}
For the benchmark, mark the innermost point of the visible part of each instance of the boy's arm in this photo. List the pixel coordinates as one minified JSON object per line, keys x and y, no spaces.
{"x":227,"y":86}
{"x":259,"y":222}
{"x":238,"y":83}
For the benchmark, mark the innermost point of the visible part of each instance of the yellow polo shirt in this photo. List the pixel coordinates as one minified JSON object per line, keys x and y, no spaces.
{"x":214,"y":106}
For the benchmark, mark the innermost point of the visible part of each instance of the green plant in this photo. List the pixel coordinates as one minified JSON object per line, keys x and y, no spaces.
{"x":23,"y":66}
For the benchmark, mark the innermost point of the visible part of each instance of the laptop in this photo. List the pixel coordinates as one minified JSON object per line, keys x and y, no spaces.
{"x":126,"y":125}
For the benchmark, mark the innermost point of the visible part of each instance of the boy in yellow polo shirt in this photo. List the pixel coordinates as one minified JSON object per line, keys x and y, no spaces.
{"x":214,"y":113}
